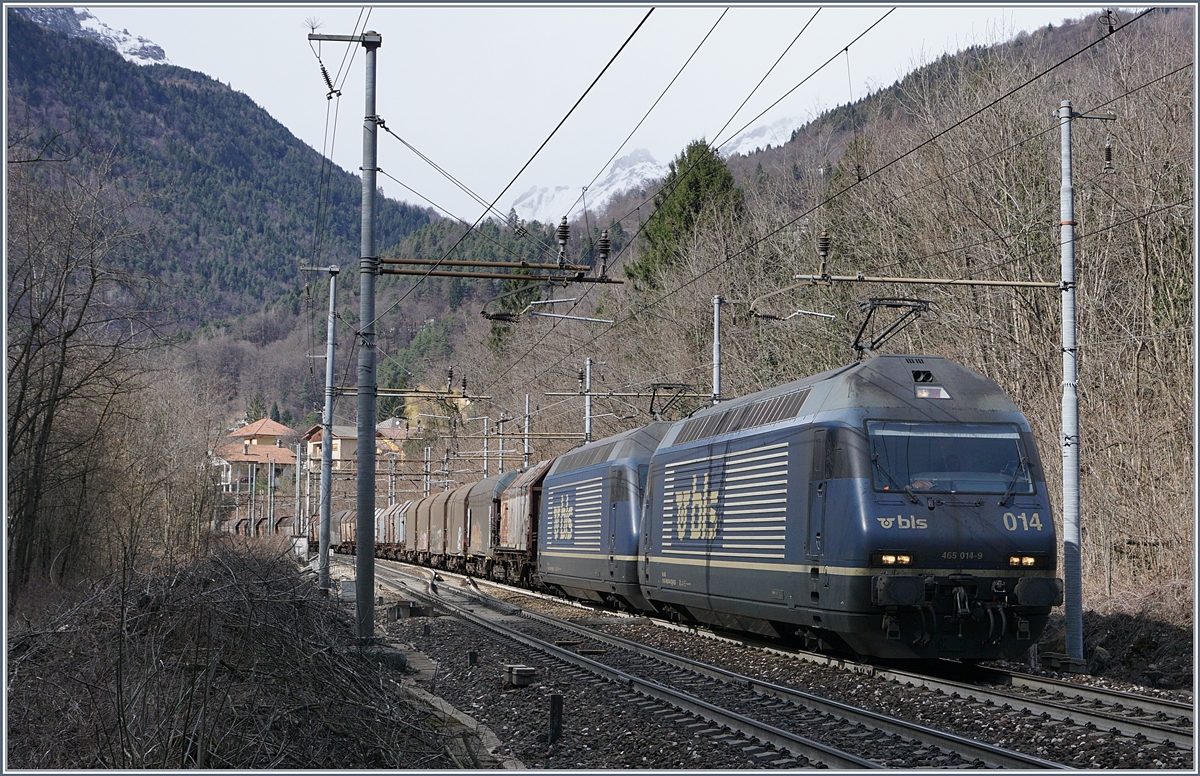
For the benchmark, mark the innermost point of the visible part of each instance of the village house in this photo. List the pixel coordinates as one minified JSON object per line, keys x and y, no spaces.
{"x":251,"y":462}
{"x":390,"y":436}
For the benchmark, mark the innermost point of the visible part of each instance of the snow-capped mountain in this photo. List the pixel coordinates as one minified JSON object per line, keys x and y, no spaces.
{"x":548,"y":205}
{"x":768,"y":135}
{"x":79,"y":22}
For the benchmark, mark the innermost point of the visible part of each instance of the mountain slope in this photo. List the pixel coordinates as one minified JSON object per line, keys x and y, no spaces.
{"x":231,"y":193}
{"x":80,"y":23}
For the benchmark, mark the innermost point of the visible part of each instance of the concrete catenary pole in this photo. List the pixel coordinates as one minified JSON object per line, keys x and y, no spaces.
{"x":525,"y":454}
{"x":296,"y":525}
{"x":716,"y":392}
{"x":500,"y":434}
{"x":368,"y":265}
{"x":1072,"y":571}
{"x":587,"y":404}
{"x":1071,"y":439}
{"x":327,"y":439}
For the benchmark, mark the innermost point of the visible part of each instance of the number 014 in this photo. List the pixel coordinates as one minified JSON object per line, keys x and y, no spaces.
{"x":1032,"y":521}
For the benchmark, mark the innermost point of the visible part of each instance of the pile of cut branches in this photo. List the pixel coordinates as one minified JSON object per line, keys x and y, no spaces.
{"x":230,"y":662}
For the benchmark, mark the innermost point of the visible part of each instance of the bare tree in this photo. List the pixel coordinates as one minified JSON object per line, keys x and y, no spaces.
{"x":72,"y":327}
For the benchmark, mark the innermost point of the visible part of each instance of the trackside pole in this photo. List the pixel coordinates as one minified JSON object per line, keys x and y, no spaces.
{"x":368,"y":264}
{"x":716,"y":392}
{"x":1070,"y":439}
{"x":368,"y":268}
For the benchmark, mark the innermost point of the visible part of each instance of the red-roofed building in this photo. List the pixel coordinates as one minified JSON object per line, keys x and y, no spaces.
{"x":252,"y":460}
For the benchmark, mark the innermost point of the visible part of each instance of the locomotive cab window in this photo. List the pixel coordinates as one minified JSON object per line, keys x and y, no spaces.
{"x":948,"y":458}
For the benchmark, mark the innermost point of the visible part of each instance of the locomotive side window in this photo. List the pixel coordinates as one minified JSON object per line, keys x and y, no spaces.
{"x":822,"y":460}
{"x":618,"y":486}
{"x":948,"y":458}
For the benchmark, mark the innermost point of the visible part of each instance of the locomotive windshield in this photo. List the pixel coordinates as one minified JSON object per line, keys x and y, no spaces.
{"x":948,"y":458}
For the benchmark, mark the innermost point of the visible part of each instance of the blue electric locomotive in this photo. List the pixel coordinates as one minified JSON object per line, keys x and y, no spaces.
{"x":591,"y":518}
{"x":895,"y":506}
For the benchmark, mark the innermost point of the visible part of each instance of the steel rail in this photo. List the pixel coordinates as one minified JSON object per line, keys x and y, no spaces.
{"x":1125,"y":725}
{"x":780,"y":739}
{"x":1153,"y":705}
{"x":1129,"y":726}
{"x":993,"y":756}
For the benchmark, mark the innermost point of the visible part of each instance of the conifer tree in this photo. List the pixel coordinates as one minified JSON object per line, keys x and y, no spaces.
{"x":698,"y":186}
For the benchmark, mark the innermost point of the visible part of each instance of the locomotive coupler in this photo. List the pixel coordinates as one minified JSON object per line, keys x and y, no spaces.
{"x":961,"y":608}
{"x":1022,"y":629}
{"x":891,"y":624}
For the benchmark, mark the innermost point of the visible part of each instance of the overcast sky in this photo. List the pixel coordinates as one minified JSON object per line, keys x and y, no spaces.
{"x":478,"y":89}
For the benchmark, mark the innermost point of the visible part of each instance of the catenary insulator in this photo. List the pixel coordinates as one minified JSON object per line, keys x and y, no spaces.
{"x":604,"y":247}
{"x":823,"y":249}
{"x":562,"y":232}
{"x":1108,"y":156}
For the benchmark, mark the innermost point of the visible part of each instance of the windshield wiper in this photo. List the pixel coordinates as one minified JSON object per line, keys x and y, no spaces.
{"x":912,"y":496}
{"x":1013,"y":482}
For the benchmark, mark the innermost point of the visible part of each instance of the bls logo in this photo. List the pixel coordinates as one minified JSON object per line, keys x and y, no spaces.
{"x":696,"y":511}
{"x":901,"y":521}
{"x":561,"y":518}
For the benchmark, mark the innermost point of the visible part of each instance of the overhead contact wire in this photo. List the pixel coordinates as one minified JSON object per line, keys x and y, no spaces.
{"x":851,"y":186}
{"x":454,"y":247}
{"x":683,"y":174}
{"x":652,"y":107}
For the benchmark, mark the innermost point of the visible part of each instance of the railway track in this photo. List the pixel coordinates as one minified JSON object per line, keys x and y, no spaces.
{"x":727,"y":703}
{"x":1135,"y":715}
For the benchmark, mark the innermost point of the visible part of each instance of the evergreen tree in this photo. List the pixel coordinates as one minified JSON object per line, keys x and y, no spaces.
{"x":256,"y":408}
{"x":697,"y":185}
{"x":274,"y":414}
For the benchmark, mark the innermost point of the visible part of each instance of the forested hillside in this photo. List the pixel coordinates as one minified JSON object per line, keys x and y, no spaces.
{"x":226,"y":196}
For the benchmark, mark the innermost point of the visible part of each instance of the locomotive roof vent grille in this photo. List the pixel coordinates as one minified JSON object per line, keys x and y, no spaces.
{"x":759,"y":413}
{"x":915,"y":360}
{"x":587,"y":457}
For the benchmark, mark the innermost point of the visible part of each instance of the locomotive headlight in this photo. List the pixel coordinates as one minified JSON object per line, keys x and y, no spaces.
{"x":891,"y":559}
{"x":1027,"y":561}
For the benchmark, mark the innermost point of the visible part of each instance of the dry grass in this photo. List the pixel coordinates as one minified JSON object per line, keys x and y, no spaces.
{"x":230,"y":662}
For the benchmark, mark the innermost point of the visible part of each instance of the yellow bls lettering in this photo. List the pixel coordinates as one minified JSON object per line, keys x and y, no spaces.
{"x":563,"y":527}
{"x":696,"y":511}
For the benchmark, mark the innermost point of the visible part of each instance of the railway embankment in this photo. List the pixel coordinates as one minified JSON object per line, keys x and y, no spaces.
{"x":232,"y":661}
